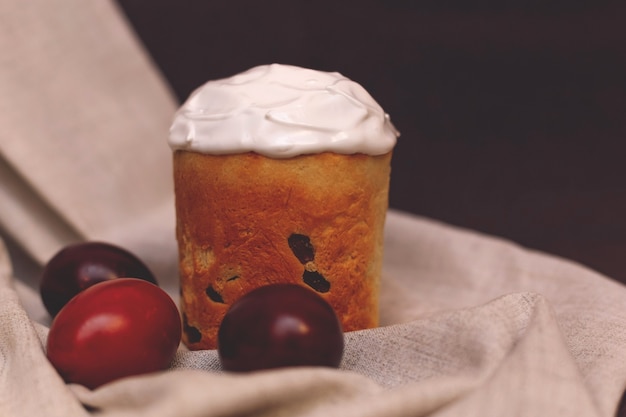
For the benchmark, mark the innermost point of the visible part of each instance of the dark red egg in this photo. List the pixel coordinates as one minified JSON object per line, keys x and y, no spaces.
{"x":114,"y":329}
{"x":79,"y":266}
{"x":277,"y":326}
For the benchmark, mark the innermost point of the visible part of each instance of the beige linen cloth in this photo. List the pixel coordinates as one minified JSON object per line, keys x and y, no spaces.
{"x":471,"y":325}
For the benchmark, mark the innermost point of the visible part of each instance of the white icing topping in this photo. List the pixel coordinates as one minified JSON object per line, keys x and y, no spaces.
{"x":281,"y":111}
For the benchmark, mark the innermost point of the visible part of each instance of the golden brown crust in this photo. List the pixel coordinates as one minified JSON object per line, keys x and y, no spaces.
{"x":235,"y":216}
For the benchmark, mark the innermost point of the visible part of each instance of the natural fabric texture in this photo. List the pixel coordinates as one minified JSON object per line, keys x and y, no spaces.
{"x":83,"y":122}
{"x":471,"y":325}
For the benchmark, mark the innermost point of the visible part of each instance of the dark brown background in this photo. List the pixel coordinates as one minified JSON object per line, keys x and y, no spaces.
{"x":512,"y":113}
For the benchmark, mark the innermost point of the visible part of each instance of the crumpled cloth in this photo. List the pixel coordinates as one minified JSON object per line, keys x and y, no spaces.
{"x":471,"y":324}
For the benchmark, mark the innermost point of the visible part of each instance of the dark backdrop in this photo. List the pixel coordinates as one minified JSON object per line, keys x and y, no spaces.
{"x":512,"y":112}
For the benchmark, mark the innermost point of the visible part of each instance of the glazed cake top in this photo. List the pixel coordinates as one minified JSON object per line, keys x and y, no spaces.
{"x":282,"y":111}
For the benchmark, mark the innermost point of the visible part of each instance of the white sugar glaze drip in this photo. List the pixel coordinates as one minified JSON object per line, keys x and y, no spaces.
{"x":282,"y":111}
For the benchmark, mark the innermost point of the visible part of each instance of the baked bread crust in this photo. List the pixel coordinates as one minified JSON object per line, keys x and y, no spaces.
{"x":246,"y":220}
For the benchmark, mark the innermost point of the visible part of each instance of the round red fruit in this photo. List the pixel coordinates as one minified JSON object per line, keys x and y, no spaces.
{"x":114,"y":329}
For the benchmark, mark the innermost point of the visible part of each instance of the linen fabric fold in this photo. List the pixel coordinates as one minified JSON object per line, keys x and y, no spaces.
{"x":84,"y":116}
